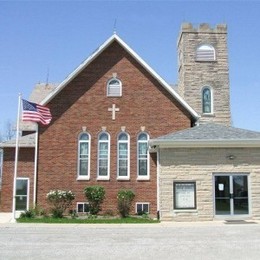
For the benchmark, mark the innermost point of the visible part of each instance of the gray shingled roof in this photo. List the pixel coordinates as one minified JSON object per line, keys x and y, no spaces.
{"x":40,"y":91}
{"x":24,"y":141}
{"x":212,"y":131}
{"x":209,"y":134}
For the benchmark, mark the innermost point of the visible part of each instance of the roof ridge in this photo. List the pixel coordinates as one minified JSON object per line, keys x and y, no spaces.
{"x":98,"y":51}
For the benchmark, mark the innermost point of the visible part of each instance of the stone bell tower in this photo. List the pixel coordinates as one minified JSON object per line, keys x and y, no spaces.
{"x":204,"y":72}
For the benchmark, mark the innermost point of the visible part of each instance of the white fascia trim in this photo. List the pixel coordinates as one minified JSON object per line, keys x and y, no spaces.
{"x":205,"y":143}
{"x":20,"y":146}
{"x":84,"y":64}
{"x":137,"y":57}
{"x":158,"y":77}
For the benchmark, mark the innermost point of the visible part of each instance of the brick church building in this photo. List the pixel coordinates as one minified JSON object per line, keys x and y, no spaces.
{"x":118,"y":124}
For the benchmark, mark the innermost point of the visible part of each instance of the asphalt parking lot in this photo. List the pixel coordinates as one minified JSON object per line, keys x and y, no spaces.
{"x":211,"y":240}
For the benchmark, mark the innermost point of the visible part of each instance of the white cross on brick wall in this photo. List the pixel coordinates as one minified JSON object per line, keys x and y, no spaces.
{"x":114,"y":109}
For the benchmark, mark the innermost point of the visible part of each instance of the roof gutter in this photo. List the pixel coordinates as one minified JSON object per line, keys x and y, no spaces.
{"x":221,"y":143}
{"x":12,"y":145}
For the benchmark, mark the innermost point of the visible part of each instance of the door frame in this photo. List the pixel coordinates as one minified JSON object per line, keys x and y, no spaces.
{"x":232,"y":215}
{"x":28,"y":193}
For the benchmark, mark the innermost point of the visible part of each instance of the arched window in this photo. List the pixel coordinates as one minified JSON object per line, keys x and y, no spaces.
{"x":114,"y":88}
{"x":207,"y":100}
{"x":83,"y":156}
{"x":103,"y":155}
{"x":123,"y":152}
{"x":205,"y":52}
{"x":142,"y":156}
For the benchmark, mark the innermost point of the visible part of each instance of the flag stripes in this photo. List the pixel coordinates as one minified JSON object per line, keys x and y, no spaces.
{"x":35,"y":113}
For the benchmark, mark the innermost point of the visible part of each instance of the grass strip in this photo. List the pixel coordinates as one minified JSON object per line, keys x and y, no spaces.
{"x":128,"y":220}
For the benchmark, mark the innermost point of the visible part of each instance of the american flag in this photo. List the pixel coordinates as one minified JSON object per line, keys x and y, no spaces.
{"x":36,"y":113}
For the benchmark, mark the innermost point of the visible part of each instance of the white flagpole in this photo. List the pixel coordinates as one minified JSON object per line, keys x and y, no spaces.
{"x":35,"y":165}
{"x":16,"y":156}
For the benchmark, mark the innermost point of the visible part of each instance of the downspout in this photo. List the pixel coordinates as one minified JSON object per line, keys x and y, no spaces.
{"x":158,"y":185}
{"x":16,"y":157}
{"x":35,"y":167}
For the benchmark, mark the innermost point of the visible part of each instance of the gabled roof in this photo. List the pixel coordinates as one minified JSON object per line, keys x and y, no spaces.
{"x":209,"y":135}
{"x":24,"y":141}
{"x":106,"y":44}
{"x":39,"y":92}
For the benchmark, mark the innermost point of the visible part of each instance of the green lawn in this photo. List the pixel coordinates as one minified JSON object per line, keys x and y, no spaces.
{"x":128,"y":220}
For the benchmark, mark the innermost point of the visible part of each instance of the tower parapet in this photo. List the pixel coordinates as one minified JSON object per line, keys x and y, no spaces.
{"x":204,"y":27}
{"x":203,"y":71}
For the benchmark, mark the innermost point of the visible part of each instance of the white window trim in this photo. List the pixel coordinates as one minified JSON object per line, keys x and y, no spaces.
{"x":211,"y":98}
{"x":28,"y":192}
{"x":140,"y":177}
{"x":148,"y":203}
{"x":120,"y":86}
{"x":83,"y":204}
{"x":79,"y":177}
{"x":128,"y":158}
{"x":108,"y":159}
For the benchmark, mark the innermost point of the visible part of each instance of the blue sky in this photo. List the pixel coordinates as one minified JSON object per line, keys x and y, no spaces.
{"x":49,"y":39}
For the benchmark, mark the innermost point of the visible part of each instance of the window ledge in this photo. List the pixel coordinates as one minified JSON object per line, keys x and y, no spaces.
{"x":185,"y":211}
{"x":147,"y":178}
{"x":80,"y":178}
{"x":202,"y":61}
{"x":103,"y":178}
{"x":208,"y":114}
{"x":114,"y":96}
{"x":123,"y":178}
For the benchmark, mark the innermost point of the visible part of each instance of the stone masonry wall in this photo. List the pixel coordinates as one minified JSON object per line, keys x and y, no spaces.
{"x":199,"y":165}
{"x":194,"y":75}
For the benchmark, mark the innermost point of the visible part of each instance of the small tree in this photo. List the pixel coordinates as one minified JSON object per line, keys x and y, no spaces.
{"x":124,"y":201}
{"x":60,"y":201}
{"x":95,"y":196}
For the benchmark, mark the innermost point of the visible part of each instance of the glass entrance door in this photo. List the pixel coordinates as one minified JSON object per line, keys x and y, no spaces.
{"x":222,"y":195}
{"x":231,"y":194}
{"x":22,"y":190}
{"x":240,"y":194}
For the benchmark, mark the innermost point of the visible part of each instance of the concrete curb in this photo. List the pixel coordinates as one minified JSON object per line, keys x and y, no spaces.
{"x":6,"y":218}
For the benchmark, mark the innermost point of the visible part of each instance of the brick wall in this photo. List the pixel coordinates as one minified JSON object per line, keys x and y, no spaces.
{"x":25,"y":169}
{"x":199,"y":165}
{"x":83,"y":103}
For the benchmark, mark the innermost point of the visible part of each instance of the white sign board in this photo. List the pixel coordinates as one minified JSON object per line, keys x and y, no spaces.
{"x":184,"y":195}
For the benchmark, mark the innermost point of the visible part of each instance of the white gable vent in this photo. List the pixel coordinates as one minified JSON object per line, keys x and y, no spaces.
{"x":205,"y":53}
{"x":114,"y":88}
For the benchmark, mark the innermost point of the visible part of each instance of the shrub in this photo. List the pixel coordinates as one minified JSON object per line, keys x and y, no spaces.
{"x":109,"y":213}
{"x":73,"y":213}
{"x":124,"y":201}
{"x":28,"y":214}
{"x":95,"y":196}
{"x":60,"y":201}
{"x":33,"y":212}
{"x":39,"y":211}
